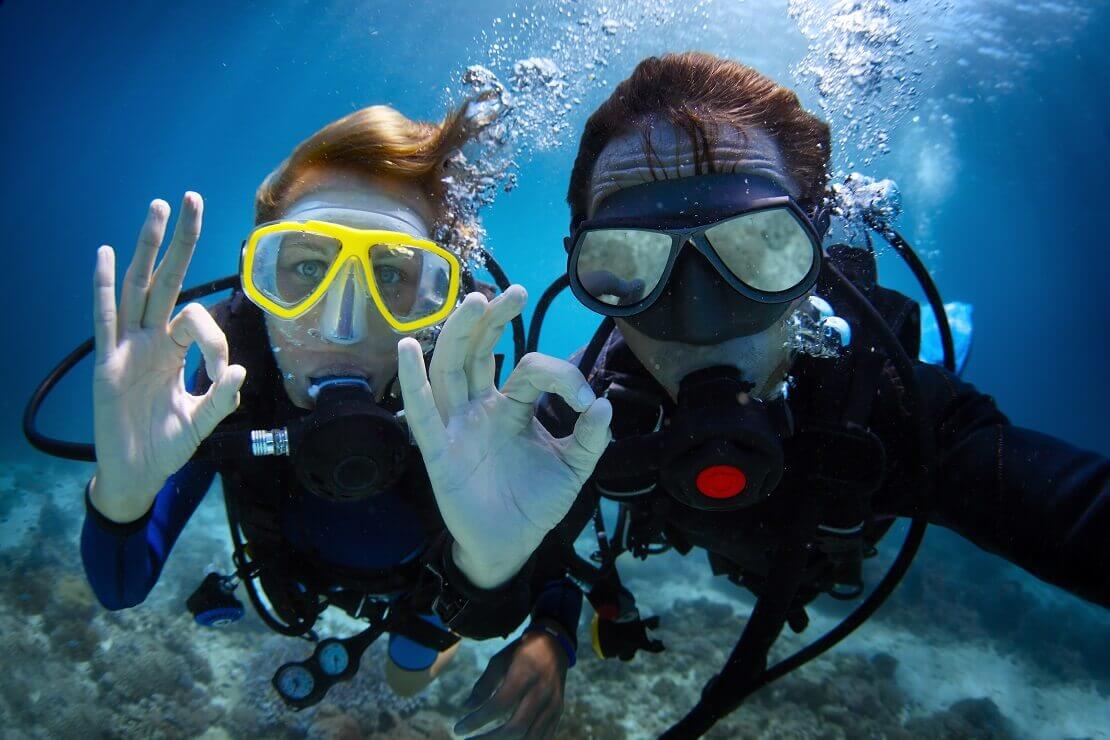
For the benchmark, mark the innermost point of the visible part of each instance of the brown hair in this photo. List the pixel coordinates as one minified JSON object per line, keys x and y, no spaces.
{"x":698,"y":93}
{"x":377,"y":141}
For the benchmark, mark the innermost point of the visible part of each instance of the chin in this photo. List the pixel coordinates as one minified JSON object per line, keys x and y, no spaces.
{"x":297,"y":390}
{"x":761,"y":358}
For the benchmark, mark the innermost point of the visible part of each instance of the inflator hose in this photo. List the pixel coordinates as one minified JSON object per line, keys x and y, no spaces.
{"x":502,"y":280}
{"x":82,"y":450}
{"x":917,"y":267}
{"x":540,"y":313}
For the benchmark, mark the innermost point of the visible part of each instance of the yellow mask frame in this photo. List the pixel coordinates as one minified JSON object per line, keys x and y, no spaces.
{"x":354,"y":243}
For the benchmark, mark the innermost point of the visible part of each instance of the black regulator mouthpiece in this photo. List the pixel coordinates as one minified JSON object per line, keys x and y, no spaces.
{"x":725,"y":448}
{"x":349,"y":447}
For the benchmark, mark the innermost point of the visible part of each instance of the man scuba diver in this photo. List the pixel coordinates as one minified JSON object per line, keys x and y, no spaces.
{"x":698,"y":211}
{"x":304,"y":405}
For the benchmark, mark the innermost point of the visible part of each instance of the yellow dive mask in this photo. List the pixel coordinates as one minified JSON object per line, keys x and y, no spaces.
{"x":288,"y":266}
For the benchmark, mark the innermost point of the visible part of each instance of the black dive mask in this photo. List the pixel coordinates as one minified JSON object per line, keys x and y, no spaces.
{"x":697,"y":260}
{"x":722,"y":448}
{"x":346,"y":449}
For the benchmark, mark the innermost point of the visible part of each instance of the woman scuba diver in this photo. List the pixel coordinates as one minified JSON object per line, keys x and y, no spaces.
{"x":304,"y":404}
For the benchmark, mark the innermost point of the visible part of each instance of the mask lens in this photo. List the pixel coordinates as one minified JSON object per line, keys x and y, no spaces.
{"x":289,"y":265}
{"x":620,"y":267}
{"x":768,"y":250}
{"x":413,"y":283}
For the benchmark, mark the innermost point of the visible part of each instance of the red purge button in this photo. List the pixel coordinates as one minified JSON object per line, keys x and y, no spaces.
{"x":721,"y":481}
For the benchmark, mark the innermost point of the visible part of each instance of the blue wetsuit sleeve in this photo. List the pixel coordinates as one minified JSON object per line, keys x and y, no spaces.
{"x":561,"y":602}
{"x":410,"y":655}
{"x":123,"y":561}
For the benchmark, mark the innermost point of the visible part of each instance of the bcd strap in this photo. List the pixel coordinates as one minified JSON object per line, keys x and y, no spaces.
{"x":409,"y":624}
{"x":298,"y":586}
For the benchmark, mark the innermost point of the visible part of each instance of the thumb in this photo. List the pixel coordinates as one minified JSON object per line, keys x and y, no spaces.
{"x":221,"y":399}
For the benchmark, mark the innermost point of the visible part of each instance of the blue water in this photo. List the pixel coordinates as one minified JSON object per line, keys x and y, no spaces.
{"x":1002,"y":173}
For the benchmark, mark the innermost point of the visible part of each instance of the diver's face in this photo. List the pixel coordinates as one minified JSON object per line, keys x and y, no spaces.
{"x":762,"y":357}
{"x":344,"y":333}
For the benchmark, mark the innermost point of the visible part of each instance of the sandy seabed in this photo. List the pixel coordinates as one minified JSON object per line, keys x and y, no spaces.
{"x":959,"y":652}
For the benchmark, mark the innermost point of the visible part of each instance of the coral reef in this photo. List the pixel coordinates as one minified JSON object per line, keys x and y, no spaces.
{"x":73,"y":669}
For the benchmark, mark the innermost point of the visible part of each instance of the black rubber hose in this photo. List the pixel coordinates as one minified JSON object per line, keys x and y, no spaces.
{"x":82,"y":450}
{"x":589,"y":358}
{"x":270,"y":620}
{"x":925,"y":280}
{"x":895,"y":351}
{"x":861,"y":613}
{"x":544,"y":303}
{"x":502,"y":280}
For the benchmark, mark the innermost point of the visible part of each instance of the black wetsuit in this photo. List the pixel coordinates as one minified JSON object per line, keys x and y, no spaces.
{"x":1027,"y":497}
{"x":341,"y":549}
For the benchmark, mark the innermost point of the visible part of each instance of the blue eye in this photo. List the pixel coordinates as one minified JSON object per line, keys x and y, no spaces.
{"x":390,"y":276}
{"x":312,"y":270}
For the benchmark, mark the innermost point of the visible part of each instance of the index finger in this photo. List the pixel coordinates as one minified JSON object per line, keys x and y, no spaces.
{"x":104,"y":303}
{"x":136,"y":281}
{"x":480,"y":363}
{"x":171,"y":272}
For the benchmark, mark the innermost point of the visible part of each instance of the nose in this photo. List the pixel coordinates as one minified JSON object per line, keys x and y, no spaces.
{"x":695,"y":295}
{"x":344,"y":319}
{"x":702,"y":308}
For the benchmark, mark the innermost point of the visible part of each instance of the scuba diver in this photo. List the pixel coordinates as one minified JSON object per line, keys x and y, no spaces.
{"x":768,"y":403}
{"x":308,"y":407}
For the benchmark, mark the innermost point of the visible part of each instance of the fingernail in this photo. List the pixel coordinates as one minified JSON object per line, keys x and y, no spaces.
{"x":586,"y":396}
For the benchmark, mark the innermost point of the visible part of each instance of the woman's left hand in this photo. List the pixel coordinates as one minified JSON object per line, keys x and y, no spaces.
{"x":501,"y":481}
{"x":524,"y":682}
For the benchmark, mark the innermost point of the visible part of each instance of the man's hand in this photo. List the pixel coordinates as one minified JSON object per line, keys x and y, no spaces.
{"x":523,"y":682}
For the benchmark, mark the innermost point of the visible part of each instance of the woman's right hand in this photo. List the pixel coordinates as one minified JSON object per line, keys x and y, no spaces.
{"x":146,"y":424}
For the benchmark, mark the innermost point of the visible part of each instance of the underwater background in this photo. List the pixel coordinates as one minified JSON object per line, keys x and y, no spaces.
{"x":991,"y":116}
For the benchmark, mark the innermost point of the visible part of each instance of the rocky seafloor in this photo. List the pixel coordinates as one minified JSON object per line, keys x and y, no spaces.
{"x":969,"y":647}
